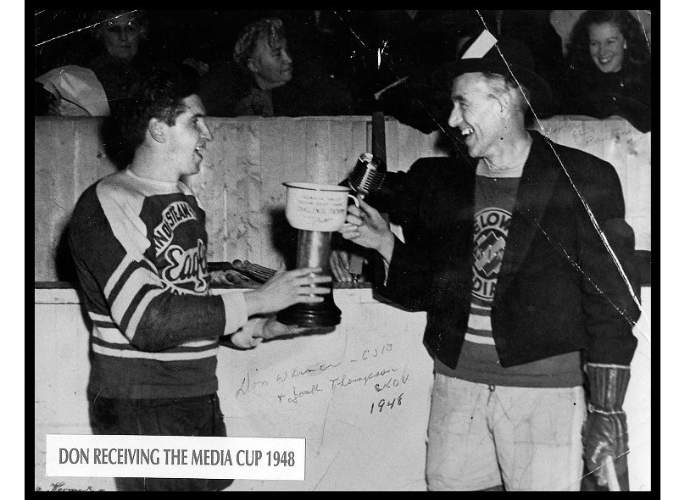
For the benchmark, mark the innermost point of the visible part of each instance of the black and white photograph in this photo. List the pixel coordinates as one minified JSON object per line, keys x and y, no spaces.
{"x":342,"y":250}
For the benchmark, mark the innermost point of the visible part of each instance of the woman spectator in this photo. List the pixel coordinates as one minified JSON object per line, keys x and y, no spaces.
{"x":609,"y":70}
{"x":260,"y":80}
{"x":104,"y":79}
{"x":122,"y":35}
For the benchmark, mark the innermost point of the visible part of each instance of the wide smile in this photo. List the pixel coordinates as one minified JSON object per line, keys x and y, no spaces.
{"x":466,"y":133}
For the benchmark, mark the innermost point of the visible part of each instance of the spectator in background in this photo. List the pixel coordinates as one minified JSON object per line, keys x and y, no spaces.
{"x":244,"y":85}
{"x":257,"y":81}
{"x":609,"y":69}
{"x":109,"y":74}
{"x":320,"y":82}
{"x":121,"y":36}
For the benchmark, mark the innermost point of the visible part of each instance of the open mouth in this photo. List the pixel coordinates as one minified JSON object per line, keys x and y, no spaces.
{"x":466,"y":133}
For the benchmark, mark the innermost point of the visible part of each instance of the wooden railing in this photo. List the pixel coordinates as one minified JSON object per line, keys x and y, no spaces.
{"x":240,"y":184}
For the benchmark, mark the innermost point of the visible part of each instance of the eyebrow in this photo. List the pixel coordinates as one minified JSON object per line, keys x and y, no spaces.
{"x":197,"y":114}
{"x":194,"y":113}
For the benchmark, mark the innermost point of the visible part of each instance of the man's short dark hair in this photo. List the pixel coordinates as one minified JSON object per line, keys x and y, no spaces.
{"x":156,"y":94}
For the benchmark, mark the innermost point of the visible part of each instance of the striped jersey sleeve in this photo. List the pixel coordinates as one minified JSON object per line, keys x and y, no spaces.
{"x":140,"y":252}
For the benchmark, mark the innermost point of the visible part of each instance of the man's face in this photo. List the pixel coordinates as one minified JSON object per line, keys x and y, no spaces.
{"x":606,"y":47}
{"x":271,"y":66}
{"x":188,"y":137}
{"x":121,"y":36}
{"x":477,"y":113}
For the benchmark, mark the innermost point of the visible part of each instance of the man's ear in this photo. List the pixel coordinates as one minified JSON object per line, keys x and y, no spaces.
{"x":506,"y":99}
{"x":251,"y":66}
{"x":157,"y":130}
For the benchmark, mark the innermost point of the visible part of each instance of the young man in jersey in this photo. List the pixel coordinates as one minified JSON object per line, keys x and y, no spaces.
{"x":139,"y":242}
{"x":521,"y":257}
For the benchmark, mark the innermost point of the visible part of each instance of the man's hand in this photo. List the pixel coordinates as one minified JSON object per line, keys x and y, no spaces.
{"x":365,"y":226}
{"x":287,"y":288}
{"x":244,"y":339}
{"x":265,"y":329}
{"x":339,"y":265}
{"x":273,"y":328}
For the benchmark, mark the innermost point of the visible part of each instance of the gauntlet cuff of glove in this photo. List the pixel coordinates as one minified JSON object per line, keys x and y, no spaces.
{"x":607,"y":386}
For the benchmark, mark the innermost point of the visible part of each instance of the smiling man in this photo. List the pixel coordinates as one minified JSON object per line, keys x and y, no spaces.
{"x":139,"y":243}
{"x":522,"y":259}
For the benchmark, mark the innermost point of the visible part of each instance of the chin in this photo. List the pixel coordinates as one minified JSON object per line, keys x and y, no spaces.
{"x":194,"y":169}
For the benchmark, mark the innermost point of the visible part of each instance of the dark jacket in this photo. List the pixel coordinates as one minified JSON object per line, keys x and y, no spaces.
{"x":118,"y":77}
{"x":626,"y":93}
{"x":558,"y":290}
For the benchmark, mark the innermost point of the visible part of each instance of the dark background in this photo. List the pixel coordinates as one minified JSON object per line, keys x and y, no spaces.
{"x":203,"y":34}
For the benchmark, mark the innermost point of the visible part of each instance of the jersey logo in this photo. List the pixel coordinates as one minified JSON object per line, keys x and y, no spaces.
{"x":491,"y":229}
{"x":172,"y":216}
{"x":187,"y":267}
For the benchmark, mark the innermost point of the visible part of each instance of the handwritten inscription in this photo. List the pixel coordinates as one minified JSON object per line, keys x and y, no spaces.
{"x":298,"y":393}
{"x":345,"y":381}
{"x":368,"y":354}
{"x":248,"y":385}
{"x":298,"y":385}
{"x":392,"y":382}
{"x":386,"y":403}
{"x":311,"y":370}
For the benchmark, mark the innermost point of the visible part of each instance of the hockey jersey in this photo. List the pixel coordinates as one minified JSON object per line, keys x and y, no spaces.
{"x":140,"y":249}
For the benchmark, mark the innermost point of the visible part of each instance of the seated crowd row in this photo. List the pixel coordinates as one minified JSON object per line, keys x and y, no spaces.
{"x":281,"y":70}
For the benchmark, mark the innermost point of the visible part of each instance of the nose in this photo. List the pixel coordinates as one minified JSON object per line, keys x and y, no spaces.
{"x":286,"y":57}
{"x":206,"y":133}
{"x":455,"y":117}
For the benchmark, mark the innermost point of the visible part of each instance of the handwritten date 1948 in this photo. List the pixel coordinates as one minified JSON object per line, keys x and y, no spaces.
{"x":386,"y":403}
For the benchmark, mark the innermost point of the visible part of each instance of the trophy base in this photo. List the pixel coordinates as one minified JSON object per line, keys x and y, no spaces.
{"x":311,"y":315}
